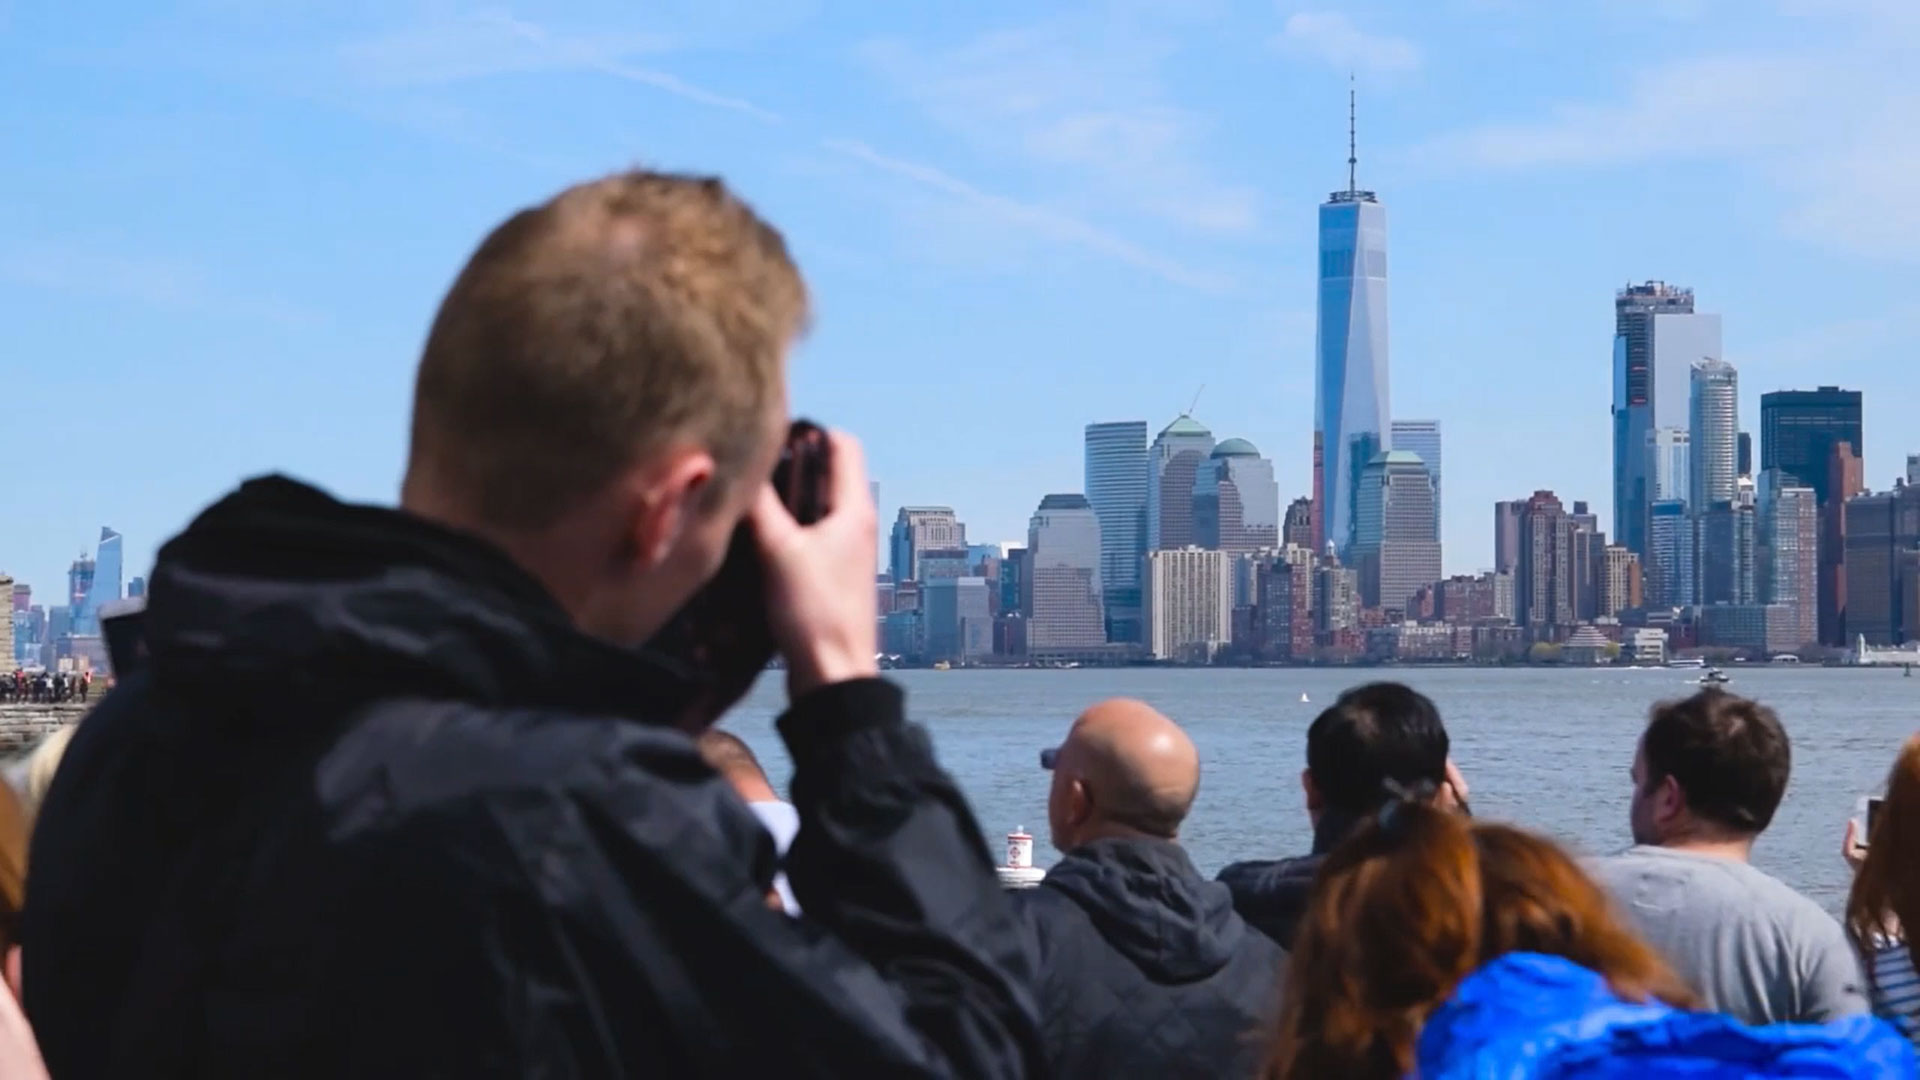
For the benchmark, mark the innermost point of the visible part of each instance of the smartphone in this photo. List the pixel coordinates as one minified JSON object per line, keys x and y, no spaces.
{"x":1865,"y":813}
{"x":722,"y":633}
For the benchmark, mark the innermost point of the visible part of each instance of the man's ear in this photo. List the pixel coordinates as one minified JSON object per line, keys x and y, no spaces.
{"x":1312,"y":791}
{"x":665,"y":498}
{"x":13,"y":975}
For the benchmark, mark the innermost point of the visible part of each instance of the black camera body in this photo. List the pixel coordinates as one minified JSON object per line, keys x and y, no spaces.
{"x":722,"y":633}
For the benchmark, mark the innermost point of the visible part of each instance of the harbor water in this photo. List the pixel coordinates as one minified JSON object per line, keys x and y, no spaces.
{"x":1547,"y":748}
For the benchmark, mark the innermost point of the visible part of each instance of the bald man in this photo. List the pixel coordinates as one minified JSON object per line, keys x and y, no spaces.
{"x":1144,"y":968}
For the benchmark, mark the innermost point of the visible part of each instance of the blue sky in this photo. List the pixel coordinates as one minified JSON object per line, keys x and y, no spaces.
{"x":224,"y":223}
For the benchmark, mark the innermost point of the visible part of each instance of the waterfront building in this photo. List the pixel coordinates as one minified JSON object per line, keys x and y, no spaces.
{"x":1422,"y":438}
{"x":1881,"y":529}
{"x":1236,"y":501}
{"x":1173,"y":466}
{"x":1189,"y":603}
{"x":918,"y":529}
{"x":1789,"y":556}
{"x":1396,"y":544}
{"x":958,"y":624}
{"x":1845,"y":478}
{"x":1297,"y":528}
{"x":1621,"y":586}
{"x":1351,"y":406}
{"x":1063,"y":545}
{"x":1116,"y":484}
{"x":1544,"y":587}
{"x":1506,"y":535}
{"x":1657,"y":337}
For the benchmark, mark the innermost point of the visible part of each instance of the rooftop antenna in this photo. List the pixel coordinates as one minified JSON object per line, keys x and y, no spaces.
{"x":1353,"y":143}
{"x":1196,"y":401}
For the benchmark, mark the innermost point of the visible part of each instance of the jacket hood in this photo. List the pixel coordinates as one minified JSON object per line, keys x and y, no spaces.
{"x":1532,"y":1017}
{"x":1152,"y":906}
{"x":281,"y":594}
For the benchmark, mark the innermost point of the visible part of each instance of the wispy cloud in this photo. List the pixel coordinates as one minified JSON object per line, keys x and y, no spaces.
{"x":1081,"y":106}
{"x":158,"y":283}
{"x":1334,"y":38}
{"x":1833,"y":127}
{"x":1053,"y":223}
{"x":491,"y":44}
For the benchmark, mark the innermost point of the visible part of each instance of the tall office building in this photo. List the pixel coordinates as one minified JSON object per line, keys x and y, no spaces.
{"x":1189,"y":603}
{"x":1296,"y":530}
{"x":1336,"y":600}
{"x":1506,"y":535}
{"x":1669,"y":465}
{"x":1236,"y":501}
{"x":1846,"y":477}
{"x":1799,"y":428}
{"x":1882,"y":529}
{"x":1670,"y":550}
{"x":1657,"y":338}
{"x":1422,"y":437}
{"x":920,"y":529}
{"x":1116,"y":477}
{"x":1714,"y":432}
{"x":956,"y":619}
{"x":1396,"y":545}
{"x":1913,"y":469}
{"x":1350,"y":406}
{"x":1789,"y":556}
{"x":1725,"y":565}
{"x":1589,"y":547}
{"x":1173,"y":465}
{"x":1063,"y":545}
{"x":79,"y":583}
{"x":7,"y":620}
{"x":1621,"y":586}
{"x":1743,"y":455}
{"x":22,"y":596}
{"x":1544,"y":590}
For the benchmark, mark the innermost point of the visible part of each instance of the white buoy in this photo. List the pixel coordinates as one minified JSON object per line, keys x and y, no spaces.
{"x":1020,"y":873}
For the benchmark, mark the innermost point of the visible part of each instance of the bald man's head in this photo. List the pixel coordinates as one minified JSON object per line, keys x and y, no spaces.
{"x":1124,"y":769}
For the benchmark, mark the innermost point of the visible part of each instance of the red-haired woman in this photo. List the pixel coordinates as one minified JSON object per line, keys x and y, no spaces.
{"x":1885,"y":900}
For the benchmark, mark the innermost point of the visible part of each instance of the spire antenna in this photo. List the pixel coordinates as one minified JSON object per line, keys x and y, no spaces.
{"x":1353,"y":141}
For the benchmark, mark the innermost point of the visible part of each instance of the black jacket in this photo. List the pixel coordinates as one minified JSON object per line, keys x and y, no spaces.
{"x":1272,"y":894}
{"x":375,"y":809}
{"x":1145,"y":970}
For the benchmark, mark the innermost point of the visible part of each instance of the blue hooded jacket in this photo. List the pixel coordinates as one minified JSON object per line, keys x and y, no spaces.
{"x":1532,"y":1017}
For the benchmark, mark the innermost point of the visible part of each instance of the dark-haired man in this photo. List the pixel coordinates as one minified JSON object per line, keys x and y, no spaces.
{"x":1144,"y":969}
{"x":400,"y":792}
{"x":1708,"y":775}
{"x":1373,"y":739}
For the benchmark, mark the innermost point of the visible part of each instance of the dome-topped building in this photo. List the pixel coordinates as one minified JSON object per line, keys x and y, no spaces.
{"x":1236,"y":501}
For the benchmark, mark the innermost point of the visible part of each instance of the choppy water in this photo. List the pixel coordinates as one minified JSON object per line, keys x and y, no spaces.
{"x":1546,"y":748}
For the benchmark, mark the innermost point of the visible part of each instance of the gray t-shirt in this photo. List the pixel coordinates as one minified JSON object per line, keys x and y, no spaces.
{"x":1751,"y":946}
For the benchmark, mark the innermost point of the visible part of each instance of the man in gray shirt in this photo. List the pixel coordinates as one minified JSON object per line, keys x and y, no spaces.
{"x":1707,"y":777}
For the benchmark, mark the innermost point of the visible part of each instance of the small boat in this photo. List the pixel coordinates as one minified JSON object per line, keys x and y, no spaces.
{"x":942,"y":665}
{"x":1715,"y":677}
{"x":1687,"y":662}
{"x":1303,"y":700}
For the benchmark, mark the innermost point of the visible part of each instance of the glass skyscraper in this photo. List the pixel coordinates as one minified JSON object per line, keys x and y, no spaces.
{"x":1798,"y":430}
{"x":1396,"y":546}
{"x":1116,"y":483}
{"x":1422,"y":437}
{"x":1350,"y":402}
{"x":1714,"y":433}
{"x":1657,"y":339}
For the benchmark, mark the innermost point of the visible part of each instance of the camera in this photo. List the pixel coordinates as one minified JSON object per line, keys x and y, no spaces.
{"x":721,"y":635}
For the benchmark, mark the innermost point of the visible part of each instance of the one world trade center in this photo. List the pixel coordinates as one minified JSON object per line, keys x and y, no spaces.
{"x":1350,"y":409}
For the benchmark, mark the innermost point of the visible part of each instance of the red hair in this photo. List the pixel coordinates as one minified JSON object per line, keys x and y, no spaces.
{"x":1411,"y":904}
{"x":1886,"y":890}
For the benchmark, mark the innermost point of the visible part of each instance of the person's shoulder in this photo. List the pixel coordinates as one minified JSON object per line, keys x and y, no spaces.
{"x":1261,"y":874}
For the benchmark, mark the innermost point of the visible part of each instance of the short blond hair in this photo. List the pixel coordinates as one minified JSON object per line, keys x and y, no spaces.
{"x":624,"y":314}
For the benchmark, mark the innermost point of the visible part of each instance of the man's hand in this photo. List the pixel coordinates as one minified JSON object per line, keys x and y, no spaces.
{"x":820,"y":586}
{"x":1453,"y":794}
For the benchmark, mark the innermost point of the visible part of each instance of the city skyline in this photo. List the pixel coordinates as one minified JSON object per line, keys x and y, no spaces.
{"x":1020,"y":222}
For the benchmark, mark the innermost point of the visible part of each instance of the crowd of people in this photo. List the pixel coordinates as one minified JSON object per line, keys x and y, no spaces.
{"x":44,"y":687}
{"x":407,"y":791}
